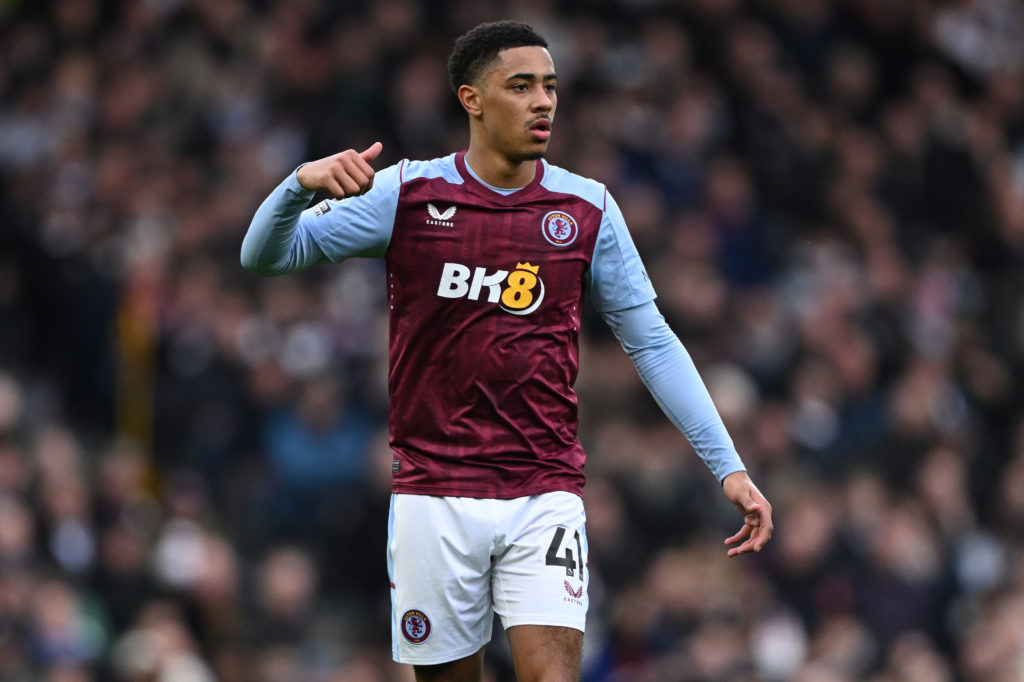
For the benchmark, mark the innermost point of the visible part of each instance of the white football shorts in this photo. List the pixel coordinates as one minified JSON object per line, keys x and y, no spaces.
{"x":456,"y":561}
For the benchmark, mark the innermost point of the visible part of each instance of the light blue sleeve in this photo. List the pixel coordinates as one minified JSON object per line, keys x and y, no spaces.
{"x":283,"y":237}
{"x":617,"y":276}
{"x":670,"y":375}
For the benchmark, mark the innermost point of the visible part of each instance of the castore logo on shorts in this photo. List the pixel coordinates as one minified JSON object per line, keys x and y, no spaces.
{"x":519,"y":292}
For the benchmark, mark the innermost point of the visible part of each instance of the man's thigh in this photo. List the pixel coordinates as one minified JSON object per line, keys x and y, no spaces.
{"x":546,"y":652}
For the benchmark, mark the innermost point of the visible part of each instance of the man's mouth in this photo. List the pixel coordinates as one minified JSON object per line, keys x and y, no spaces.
{"x":541,"y":128}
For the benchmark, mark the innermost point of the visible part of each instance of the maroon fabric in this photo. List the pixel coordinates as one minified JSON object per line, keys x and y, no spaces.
{"x":482,"y":403}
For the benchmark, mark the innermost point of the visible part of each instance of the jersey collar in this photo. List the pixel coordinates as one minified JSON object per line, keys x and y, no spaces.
{"x":476,"y":187}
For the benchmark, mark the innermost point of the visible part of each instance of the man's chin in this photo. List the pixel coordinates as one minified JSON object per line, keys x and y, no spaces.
{"x":534,"y":154}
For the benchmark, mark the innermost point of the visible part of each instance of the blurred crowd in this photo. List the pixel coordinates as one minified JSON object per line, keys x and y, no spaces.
{"x":828,"y":195}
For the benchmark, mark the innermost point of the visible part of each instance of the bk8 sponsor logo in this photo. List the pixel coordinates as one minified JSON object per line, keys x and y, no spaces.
{"x":519,"y":292}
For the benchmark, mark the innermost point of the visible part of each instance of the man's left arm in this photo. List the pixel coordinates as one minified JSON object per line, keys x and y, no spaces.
{"x":669,"y":373}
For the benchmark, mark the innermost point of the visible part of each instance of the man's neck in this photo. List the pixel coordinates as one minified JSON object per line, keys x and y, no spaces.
{"x":500,"y":171}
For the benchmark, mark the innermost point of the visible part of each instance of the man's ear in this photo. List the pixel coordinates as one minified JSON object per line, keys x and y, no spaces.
{"x":469,"y":97}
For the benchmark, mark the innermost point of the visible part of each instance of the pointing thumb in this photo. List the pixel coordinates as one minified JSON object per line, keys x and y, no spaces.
{"x":372,"y":152}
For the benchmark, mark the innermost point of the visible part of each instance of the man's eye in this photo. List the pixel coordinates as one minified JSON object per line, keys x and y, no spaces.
{"x":519,"y":87}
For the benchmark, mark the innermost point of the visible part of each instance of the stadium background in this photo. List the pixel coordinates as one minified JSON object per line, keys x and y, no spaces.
{"x":829,"y":196}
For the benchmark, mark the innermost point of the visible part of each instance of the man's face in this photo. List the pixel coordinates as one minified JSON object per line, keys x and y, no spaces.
{"x":517,"y":98}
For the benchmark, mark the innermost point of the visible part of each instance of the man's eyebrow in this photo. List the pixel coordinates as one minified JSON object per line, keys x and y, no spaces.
{"x":531,"y":77}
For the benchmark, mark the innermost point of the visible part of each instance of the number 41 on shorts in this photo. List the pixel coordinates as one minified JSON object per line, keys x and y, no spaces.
{"x":567,"y":560}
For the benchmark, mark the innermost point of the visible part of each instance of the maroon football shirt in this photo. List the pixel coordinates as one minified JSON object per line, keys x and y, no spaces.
{"x":485,"y":292}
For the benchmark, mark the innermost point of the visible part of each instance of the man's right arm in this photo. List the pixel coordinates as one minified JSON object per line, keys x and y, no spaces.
{"x":274,"y":244}
{"x":284,"y":238}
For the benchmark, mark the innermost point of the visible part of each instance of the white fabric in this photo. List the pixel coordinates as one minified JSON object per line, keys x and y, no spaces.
{"x":455,"y":561}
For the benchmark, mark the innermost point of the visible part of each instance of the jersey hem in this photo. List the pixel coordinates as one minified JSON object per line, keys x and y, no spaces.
{"x":634,"y":302}
{"x":490,"y":494}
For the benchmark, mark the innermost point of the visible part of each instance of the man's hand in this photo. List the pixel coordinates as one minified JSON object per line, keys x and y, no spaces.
{"x":346,"y":174}
{"x":757,"y":513}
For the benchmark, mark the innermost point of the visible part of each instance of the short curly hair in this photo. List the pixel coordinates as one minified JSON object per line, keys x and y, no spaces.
{"x":478,"y":47}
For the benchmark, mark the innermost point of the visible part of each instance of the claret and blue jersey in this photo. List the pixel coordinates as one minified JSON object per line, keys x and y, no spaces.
{"x":484,"y":289}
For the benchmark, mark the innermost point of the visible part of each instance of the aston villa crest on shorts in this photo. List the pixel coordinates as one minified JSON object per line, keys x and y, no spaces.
{"x":559,"y":228}
{"x":415,"y":626}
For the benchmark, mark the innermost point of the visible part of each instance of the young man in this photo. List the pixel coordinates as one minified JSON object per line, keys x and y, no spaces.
{"x":489,"y":252}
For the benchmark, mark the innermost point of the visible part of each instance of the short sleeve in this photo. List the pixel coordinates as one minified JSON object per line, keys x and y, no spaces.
{"x":617,"y":276}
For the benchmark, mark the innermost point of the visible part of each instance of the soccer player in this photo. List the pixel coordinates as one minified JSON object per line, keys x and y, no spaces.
{"x":489,"y":252}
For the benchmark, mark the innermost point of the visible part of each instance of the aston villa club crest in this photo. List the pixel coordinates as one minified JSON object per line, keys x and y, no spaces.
{"x":559,"y":228}
{"x":415,"y":626}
